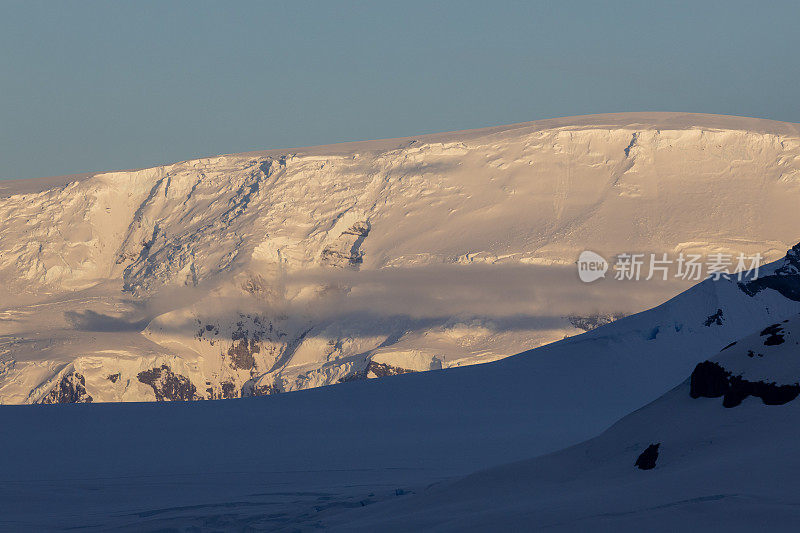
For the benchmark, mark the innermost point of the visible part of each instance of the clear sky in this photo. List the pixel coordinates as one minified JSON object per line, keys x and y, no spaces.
{"x":103,"y":85}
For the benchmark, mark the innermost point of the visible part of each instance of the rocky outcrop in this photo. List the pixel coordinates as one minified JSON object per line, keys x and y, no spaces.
{"x":590,"y":322}
{"x":647,"y":459}
{"x":711,"y":380}
{"x":375,"y":369}
{"x":71,"y":388}
{"x":716,"y":318}
{"x":785,"y":280}
{"x":167,"y":385}
{"x":242,"y":352}
{"x":265,"y":390}
{"x":346,"y":250}
{"x":249,"y":336}
{"x":708,"y":380}
{"x":774,"y":335}
{"x":260,"y":388}
{"x":228,"y":390}
{"x":382,"y":370}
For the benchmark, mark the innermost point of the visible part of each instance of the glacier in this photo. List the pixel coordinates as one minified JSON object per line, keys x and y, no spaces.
{"x":269,"y":272}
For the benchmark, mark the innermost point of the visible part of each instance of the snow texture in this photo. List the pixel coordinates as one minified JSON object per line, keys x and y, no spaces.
{"x":396,"y":453}
{"x":268,"y":272}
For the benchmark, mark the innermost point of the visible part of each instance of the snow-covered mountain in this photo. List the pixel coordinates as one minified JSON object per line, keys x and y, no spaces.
{"x":267,"y":272}
{"x":304,"y":460}
{"x":717,"y":453}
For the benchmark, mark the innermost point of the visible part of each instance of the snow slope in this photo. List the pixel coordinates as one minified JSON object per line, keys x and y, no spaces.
{"x":298,"y":460}
{"x":726,"y":461}
{"x":251,"y":274}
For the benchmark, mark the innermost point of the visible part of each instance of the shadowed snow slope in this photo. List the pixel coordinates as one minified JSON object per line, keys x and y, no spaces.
{"x":296,"y":460}
{"x":715,"y":464}
{"x":268,"y":272}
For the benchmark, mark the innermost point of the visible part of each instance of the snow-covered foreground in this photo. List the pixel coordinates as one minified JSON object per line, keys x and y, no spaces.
{"x":322,"y":457}
{"x":717,"y":453}
{"x":717,"y":469}
{"x":260,"y":273}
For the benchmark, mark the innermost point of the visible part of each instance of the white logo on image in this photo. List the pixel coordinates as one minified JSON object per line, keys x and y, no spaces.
{"x":591,"y":266}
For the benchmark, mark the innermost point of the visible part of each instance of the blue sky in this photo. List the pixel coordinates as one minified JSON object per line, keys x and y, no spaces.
{"x":110,"y":85}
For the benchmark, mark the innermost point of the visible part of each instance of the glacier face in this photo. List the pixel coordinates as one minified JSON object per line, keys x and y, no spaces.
{"x":268,"y":272}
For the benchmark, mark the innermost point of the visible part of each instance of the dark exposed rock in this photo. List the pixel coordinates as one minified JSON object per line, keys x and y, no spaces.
{"x":774,"y":334}
{"x":381,"y":370}
{"x":167,"y":385}
{"x":710,"y":380}
{"x":113,"y":377}
{"x":359,"y":229}
{"x":229,"y":390}
{"x":355,"y":376}
{"x":241,"y":354}
{"x":630,"y":146}
{"x":251,"y":387}
{"x":70,"y":389}
{"x":347,"y":249}
{"x":264,"y":390}
{"x":785,"y":280}
{"x":647,"y":459}
{"x":248,"y":339}
{"x":588,"y":323}
{"x":206,"y":331}
{"x":242,"y":350}
{"x":335,"y":257}
{"x":770,"y":393}
{"x":716,"y":318}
